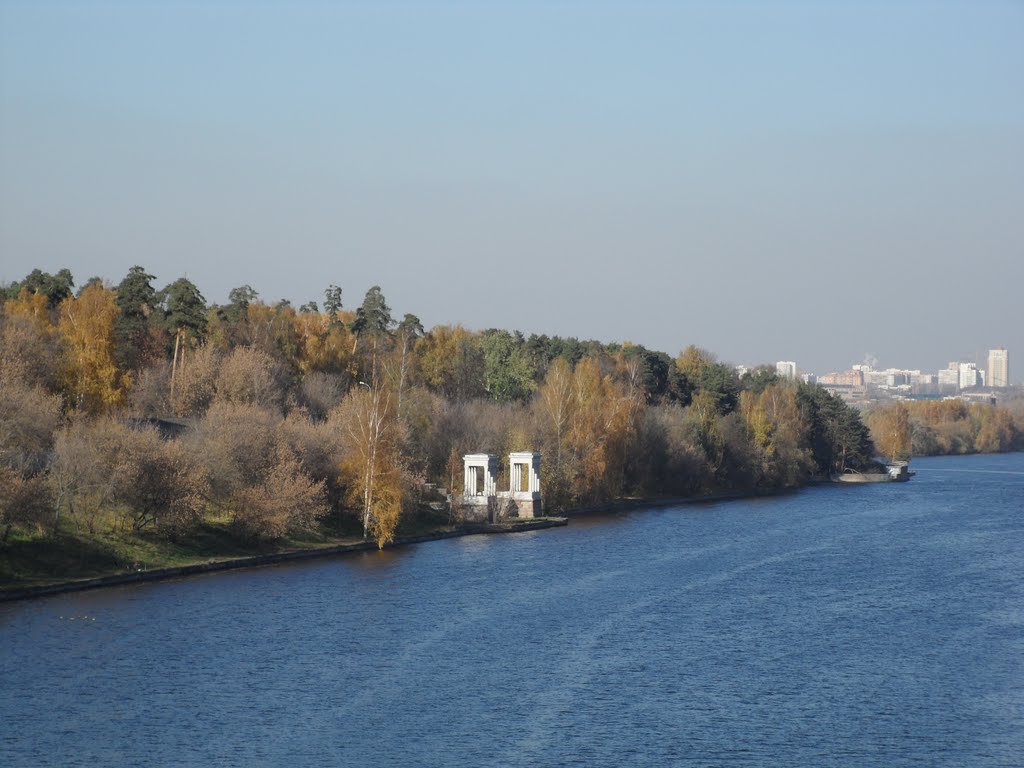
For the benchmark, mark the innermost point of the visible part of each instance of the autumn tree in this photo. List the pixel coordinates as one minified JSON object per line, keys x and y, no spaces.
{"x":589,"y":420}
{"x":703,"y":419}
{"x":31,"y":350}
{"x":28,"y":418}
{"x":406,"y":334}
{"x":319,"y":393}
{"x":890,"y":430}
{"x":777,"y":430}
{"x":157,"y":483}
{"x":92,"y":379}
{"x":236,"y":446}
{"x":319,"y":448}
{"x":53,"y":288}
{"x":322,"y":345}
{"x":668,"y":460}
{"x":273,"y":330}
{"x":451,"y":362}
{"x":997,"y":431}
{"x":554,"y":404}
{"x":250,"y":376}
{"x":194,"y":386}
{"x":82,"y":473}
{"x":373,"y":463}
{"x":697,"y":370}
{"x":287,"y":500}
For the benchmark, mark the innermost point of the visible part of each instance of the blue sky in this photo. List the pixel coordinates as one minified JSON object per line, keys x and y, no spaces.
{"x":806,"y":180}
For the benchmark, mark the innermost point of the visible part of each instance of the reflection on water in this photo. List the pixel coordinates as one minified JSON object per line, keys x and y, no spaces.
{"x":869,"y":626}
{"x":378,"y":558}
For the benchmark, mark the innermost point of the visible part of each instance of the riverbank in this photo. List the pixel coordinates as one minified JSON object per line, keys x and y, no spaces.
{"x":215,"y":561}
{"x":209,"y":553}
{"x":255,"y":561}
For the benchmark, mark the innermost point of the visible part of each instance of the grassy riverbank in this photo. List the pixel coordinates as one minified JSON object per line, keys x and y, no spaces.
{"x":72,"y":554}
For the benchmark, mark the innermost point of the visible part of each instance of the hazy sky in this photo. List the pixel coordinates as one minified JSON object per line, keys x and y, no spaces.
{"x":807,"y":181}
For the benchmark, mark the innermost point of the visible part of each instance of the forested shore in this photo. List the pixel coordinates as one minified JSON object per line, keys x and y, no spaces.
{"x":947,"y":427}
{"x":143,"y":419}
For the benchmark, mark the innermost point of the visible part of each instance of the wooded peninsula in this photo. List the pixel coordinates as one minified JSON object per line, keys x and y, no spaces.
{"x":142,"y":427}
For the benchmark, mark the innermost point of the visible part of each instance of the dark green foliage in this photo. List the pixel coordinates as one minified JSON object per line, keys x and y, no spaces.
{"x":680,"y":387}
{"x":839,"y":439}
{"x":332,"y":302}
{"x":655,"y":368}
{"x":721,"y":382}
{"x":184,"y":308}
{"x":410,"y":328}
{"x":137,"y":300}
{"x":55,"y":288}
{"x":508,"y":372}
{"x":240,"y":298}
{"x":374,"y":316}
{"x":541,"y":350}
{"x":234,"y":316}
{"x":756,"y":380}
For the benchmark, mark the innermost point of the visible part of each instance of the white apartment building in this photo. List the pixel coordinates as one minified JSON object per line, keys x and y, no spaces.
{"x":949,"y":378}
{"x":998,"y":368}
{"x":968,"y":375}
{"x":786,"y":369}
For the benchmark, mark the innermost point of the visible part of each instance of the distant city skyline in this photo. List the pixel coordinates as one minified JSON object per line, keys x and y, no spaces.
{"x":994,"y":359}
{"x":771,"y":181}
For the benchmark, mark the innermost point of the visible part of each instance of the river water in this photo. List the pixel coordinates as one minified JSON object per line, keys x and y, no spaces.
{"x":846,"y":626}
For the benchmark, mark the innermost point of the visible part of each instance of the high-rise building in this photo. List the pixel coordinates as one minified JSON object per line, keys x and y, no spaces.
{"x":949,"y":379}
{"x":998,"y":368}
{"x":786,"y":369}
{"x":969,"y":375}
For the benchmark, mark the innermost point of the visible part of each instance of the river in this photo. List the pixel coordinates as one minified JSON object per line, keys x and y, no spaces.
{"x":847,"y":626}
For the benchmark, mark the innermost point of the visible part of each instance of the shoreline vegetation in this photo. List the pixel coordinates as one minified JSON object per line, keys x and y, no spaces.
{"x":141,"y":572}
{"x":144,"y":427}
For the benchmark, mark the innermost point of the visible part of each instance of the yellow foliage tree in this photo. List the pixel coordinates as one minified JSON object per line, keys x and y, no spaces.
{"x":323,"y":346}
{"x":30,"y":349}
{"x":996,"y":429}
{"x":778,"y":431}
{"x":451,"y":362}
{"x":373,"y":462}
{"x":29,"y":306}
{"x":890,"y":430}
{"x":590,"y":419}
{"x":92,"y":380}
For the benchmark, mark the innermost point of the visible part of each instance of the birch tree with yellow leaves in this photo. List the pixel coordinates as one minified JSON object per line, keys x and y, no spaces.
{"x":373,"y":463}
{"x":92,"y":380}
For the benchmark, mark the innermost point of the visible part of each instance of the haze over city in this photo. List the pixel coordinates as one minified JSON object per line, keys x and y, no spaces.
{"x":772,"y":181}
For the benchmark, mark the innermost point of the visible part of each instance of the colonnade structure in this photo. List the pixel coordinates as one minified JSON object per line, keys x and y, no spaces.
{"x":482,"y":501}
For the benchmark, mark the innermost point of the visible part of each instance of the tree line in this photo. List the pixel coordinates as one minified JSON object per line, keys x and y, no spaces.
{"x":945,"y":427}
{"x":131,"y":408}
